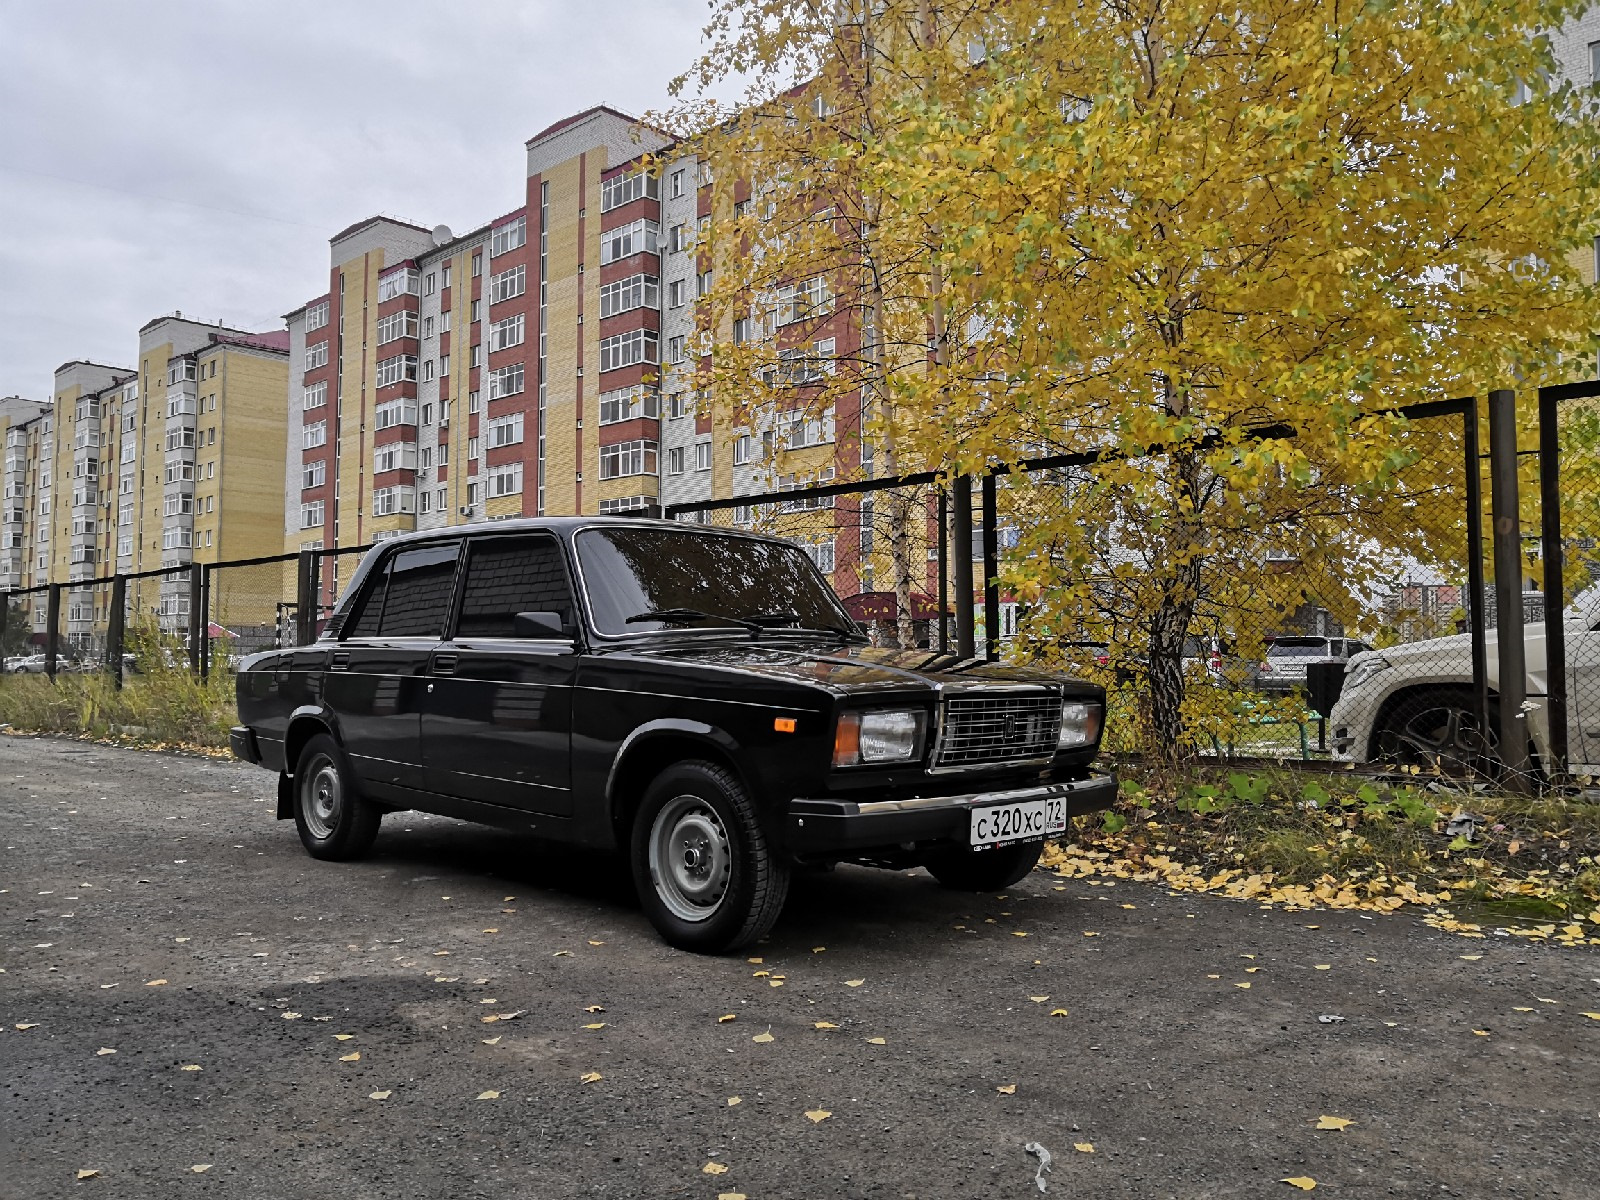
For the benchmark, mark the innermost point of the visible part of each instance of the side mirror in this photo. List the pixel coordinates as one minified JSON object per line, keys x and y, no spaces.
{"x":538,"y":625}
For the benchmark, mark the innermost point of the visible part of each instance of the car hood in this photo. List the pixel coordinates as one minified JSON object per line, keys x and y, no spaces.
{"x":849,"y":669}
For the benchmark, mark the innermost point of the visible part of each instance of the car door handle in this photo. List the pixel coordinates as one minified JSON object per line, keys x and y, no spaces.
{"x":341,"y":660}
{"x":444,"y":664}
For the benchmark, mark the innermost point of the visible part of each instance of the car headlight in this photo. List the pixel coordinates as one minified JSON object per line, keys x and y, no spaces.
{"x":1080,"y":724}
{"x":1361,"y":670}
{"x":877,"y":736}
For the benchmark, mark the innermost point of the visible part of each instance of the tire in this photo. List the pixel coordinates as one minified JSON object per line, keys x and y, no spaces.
{"x":706,"y":876}
{"x":964,"y":870}
{"x":334,"y":821}
{"x":1438,"y":731}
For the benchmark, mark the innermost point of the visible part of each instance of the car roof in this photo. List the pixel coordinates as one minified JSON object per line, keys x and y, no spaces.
{"x":567,"y":526}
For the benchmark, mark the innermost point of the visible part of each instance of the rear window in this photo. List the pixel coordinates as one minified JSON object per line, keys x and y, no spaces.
{"x":1298,"y":647}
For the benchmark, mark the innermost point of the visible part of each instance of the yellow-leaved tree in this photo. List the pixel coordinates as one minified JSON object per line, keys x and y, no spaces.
{"x":1158,"y":229}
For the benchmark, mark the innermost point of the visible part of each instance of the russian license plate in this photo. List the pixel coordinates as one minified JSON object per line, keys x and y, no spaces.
{"x":1001,"y":824}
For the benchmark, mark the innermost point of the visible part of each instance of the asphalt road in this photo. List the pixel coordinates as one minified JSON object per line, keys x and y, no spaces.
{"x":124,"y":869}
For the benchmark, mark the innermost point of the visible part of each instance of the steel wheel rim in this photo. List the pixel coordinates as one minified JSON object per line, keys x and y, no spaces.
{"x":691,"y":860}
{"x":1445,"y":738}
{"x":322,"y":798}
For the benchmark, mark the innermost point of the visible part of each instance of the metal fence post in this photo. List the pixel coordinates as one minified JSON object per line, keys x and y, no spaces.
{"x":961,"y":549}
{"x":1554,"y":571}
{"x":991,"y":569}
{"x":197,"y":617}
{"x":1510,"y":651}
{"x":944,"y":571}
{"x":5,"y":615}
{"x":52,"y":629}
{"x":205,"y":622}
{"x":114,"y":628}
{"x":1476,"y":618}
{"x":305,"y":612}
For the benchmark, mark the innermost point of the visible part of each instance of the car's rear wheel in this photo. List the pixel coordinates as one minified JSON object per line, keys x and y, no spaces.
{"x":1439,"y":731}
{"x":334,"y":820}
{"x":967,"y":870}
{"x":706,"y":875}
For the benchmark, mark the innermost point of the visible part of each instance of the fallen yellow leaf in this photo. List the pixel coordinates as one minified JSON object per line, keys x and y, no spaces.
{"x":1304,"y":1182}
{"x":1018,"y":933}
{"x":730,"y":1196}
{"x":1520,"y":1008}
{"x":593,"y":1008}
{"x":1091,"y":933}
{"x":714,"y":1168}
{"x":1058,"y":1012}
{"x":825,"y":1025}
{"x":491,"y":931}
{"x":763,"y":1037}
{"x":818,"y":949}
{"x":440,"y":953}
{"x":1038,"y":999}
{"x":1324,"y":967}
{"x":87,"y":1174}
{"x":1333,"y":1122}
{"x":774,"y":983}
{"x":591,"y":1077}
{"x":190,"y":1067}
{"x":343,"y":1037}
{"x":732,"y":1100}
{"x":290,"y":1016}
{"x":384,"y":1095}
{"x":757,"y":961}
{"x":1593,"y":1016}
{"x":1083,"y":1147}
{"x":1471,"y":957}
{"x":154,"y":983}
{"x":1007,"y":1089}
{"x":1246,"y":986}
{"x":354,"y":1056}
{"x":726,"y":1017}
{"x":1480,"y":1033}
{"x":817,"y":1115}
{"x":596,"y":1025}
{"x":759,"y":974}
{"x":878,"y":1041}
{"x":592,"y":942}
{"x":200,"y":1167}
{"x":491,"y":1041}
{"x":489,"y":1020}
{"x":488,"y":1095}
{"x":854,"y":982}
{"x":1251,"y":970}
{"x":105,"y":1050}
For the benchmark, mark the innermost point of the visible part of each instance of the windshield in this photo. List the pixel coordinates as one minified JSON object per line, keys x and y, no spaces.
{"x":630,"y":570}
{"x":1312,"y":647}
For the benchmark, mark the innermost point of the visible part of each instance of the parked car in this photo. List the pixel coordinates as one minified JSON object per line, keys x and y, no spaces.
{"x":1284,"y":667}
{"x":1413,"y":704}
{"x":697,"y":698}
{"x":25,"y":664}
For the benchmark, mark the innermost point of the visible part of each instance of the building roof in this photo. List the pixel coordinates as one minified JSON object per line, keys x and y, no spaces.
{"x":370,"y":221}
{"x":276,"y":339}
{"x":568,"y":122}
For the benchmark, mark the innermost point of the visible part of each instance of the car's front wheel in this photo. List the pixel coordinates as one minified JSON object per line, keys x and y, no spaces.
{"x":334,"y":820}
{"x":967,"y":870}
{"x":706,"y":875}
{"x":1438,"y":730}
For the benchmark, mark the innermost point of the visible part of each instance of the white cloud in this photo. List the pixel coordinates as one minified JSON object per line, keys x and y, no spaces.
{"x":197,"y":154}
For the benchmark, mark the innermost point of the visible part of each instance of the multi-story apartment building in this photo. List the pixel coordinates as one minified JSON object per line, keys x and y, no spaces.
{"x":176,"y":460}
{"x":23,"y":426}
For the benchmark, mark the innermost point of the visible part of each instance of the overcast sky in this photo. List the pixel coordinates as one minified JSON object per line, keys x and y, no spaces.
{"x":196,"y":155}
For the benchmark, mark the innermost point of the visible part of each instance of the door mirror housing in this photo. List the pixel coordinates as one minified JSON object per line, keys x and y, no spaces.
{"x":538,"y":625}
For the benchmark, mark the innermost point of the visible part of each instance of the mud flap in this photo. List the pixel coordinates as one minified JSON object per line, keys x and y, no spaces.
{"x":285,"y":798}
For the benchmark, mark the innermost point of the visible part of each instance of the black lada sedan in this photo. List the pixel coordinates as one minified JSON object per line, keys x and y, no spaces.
{"x":698,"y":698}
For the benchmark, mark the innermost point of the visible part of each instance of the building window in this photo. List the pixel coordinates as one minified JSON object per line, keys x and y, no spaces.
{"x":675,"y":457}
{"x":396,"y":456}
{"x":675,"y":294}
{"x":506,"y":480}
{"x":398,"y":325}
{"x":507,"y":333}
{"x":798,"y":301}
{"x":427,"y":326}
{"x":427,"y":369}
{"x":475,"y":355}
{"x":625,"y":295}
{"x":313,"y":474}
{"x":702,"y":456}
{"x":507,"y":431}
{"x":508,"y":237}
{"x":314,"y":396}
{"x":676,"y":187}
{"x":395,"y":412}
{"x":315,"y":435}
{"x":799,"y":365}
{"x":625,"y":504}
{"x":316,"y":356}
{"x":425,"y":458}
{"x":311,"y":515}
{"x":820,"y":553}
{"x":637,"y":237}
{"x":444,"y":319}
{"x":424,"y":502}
{"x":627,"y":349}
{"x":444,"y":282}
{"x":675,"y":349}
{"x":628,"y":458}
{"x":508,"y":284}
{"x":703,"y":283}
{"x":316,"y":316}
{"x":477,"y":310}
{"x":624,"y":189}
{"x":507,"y":381}
{"x":744,"y":450}
{"x":624,"y":404}
{"x":678,"y":239}
{"x":477,"y":265}
{"x":473,"y":452}
{"x":401,"y":282}
{"x":401,"y":368}
{"x":391,"y":500}
{"x":427,"y":413}
{"x":473,"y":402}
{"x":1594,"y":62}
{"x":444,"y":454}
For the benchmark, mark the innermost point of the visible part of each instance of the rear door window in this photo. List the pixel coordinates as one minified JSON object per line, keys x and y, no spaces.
{"x":417,"y":596}
{"x":509,"y":575}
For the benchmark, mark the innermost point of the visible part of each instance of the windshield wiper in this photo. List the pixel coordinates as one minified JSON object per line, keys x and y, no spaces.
{"x":775,"y":620}
{"x":682,"y":616}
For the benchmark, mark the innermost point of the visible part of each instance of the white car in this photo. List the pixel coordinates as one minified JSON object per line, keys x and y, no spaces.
{"x":1412,"y":704}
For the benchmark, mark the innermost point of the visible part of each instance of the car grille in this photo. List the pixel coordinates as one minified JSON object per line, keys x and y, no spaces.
{"x":999,"y":727}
